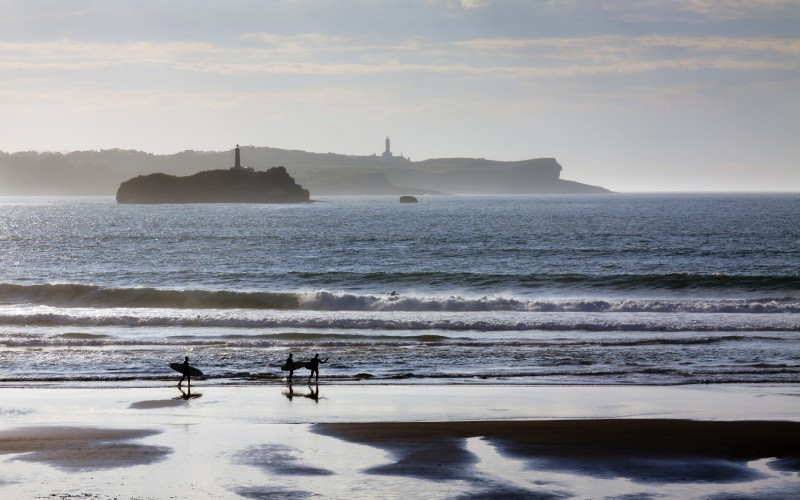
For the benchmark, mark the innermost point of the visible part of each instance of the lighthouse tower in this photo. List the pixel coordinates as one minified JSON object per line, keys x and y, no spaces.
{"x":388,"y":153}
{"x":238,"y":163}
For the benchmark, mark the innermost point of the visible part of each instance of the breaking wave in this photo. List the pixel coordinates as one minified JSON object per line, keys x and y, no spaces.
{"x":382,"y":322}
{"x":624,"y":282}
{"x":91,"y":296}
{"x":328,"y":301}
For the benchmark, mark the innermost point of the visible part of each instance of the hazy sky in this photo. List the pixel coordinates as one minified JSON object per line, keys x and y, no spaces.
{"x":646,"y":95}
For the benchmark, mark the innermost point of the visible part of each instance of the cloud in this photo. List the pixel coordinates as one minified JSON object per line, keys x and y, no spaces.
{"x":733,"y":9}
{"x":469,"y":4}
{"x":693,"y":11}
{"x":776,"y":45}
{"x":295,"y":44}
{"x":87,"y":98}
{"x":620,"y":54}
{"x":627,"y":44}
{"x":309,"y":54}
{"x":73,"y":55}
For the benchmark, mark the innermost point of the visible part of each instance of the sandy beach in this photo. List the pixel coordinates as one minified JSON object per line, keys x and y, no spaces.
{"x":358,"y":441}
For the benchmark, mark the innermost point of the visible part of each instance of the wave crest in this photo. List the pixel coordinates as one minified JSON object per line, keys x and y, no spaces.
{"x":330,"y":301}
{"x":379,"y":322}
{"x":91,"y":296}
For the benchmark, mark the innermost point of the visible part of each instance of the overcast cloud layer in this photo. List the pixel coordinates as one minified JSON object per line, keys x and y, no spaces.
{"x":646,"y":95}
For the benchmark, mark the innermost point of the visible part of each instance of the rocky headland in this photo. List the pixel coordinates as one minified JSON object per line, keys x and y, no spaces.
{"x":236,"y":185}
{"x":101,"y":172}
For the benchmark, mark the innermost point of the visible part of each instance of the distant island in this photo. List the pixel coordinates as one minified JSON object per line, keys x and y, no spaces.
{"x":102,"y":172}
{"x":237,"y":184}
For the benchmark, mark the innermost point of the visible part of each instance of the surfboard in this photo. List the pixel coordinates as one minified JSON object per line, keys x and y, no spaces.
{"x":295,"y":365}
{"x":178,"y":367}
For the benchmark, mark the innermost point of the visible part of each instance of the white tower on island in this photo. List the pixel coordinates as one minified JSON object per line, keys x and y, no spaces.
{"x":388,"y":152}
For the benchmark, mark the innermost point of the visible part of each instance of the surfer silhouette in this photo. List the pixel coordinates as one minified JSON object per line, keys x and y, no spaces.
{"x":290,"y":364}
{"x":313,"y":365}
{"x":185,"y":373}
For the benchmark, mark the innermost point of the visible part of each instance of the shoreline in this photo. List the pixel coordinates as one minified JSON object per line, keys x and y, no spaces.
{"x":352,"y":403}
{"x":261,"y":381}
{"x":337,"y":441}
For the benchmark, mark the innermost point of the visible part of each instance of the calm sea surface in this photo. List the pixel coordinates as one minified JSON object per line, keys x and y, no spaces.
{"x":604,"y":289}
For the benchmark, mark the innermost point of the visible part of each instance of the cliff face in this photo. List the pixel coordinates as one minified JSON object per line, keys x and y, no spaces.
{"x":101,"y":172}
{"x":214,"y":186}
{"x":444,"y":175}
{"x":477,"y":176}
{"x":357,"y":181}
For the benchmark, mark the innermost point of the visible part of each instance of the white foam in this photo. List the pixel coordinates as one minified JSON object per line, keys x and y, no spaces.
{"x":332,"y":301}
{"x":485,"y":321}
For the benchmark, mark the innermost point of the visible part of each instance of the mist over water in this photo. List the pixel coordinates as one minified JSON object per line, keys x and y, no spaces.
{"x":640,"y":289}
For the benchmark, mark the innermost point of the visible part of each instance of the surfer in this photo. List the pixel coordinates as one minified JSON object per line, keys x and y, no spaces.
{"x":290,"y":364}
{"x":185,"y":373}
{"x":313,"y":365}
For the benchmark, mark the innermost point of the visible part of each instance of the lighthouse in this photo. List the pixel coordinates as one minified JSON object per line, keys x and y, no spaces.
{"x":237,"y":162}
{"x":388,"y":153}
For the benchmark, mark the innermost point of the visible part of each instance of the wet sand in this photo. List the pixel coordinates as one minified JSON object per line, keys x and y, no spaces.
{"x":645,"y":450}
{"x":399,"y":442}
{"x":81,"y":448}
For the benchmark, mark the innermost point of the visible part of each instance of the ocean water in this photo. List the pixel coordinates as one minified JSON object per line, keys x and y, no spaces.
{"x":602,"y":289}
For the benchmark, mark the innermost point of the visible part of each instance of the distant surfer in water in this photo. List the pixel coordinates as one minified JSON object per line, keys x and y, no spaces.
{"x":185,"y":373}
{"x":313,"y":365}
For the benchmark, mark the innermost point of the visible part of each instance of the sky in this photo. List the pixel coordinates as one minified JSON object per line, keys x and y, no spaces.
{"x":640,"y":95}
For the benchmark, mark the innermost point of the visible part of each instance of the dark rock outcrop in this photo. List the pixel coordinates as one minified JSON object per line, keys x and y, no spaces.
{"x":408,"y":199}
{"x":237,"y":185}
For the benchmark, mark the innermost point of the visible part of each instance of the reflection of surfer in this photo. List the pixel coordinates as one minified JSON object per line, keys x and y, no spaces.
{"x":313,"y":394}
{"x":290,"y":393}
{"x":290,"y":364}
{"x":188,"y":394}
{"x":185,"y":373}
{"x":313,"y":365}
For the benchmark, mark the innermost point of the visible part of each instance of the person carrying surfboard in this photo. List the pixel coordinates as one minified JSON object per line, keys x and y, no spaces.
{"x":290,"y":364}
{"x":313,"y":365}
{"x":185,"y":373}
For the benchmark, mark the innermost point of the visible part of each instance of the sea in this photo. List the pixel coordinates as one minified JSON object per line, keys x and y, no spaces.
{"x":632,"y":289}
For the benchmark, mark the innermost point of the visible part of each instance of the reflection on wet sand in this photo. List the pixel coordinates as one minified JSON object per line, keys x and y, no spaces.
{"x":74,"y":448}
{"x":187,"y":394}
{"x":652,"y":451}
{"x":166,"y":403}
{"x":313,"y":393}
